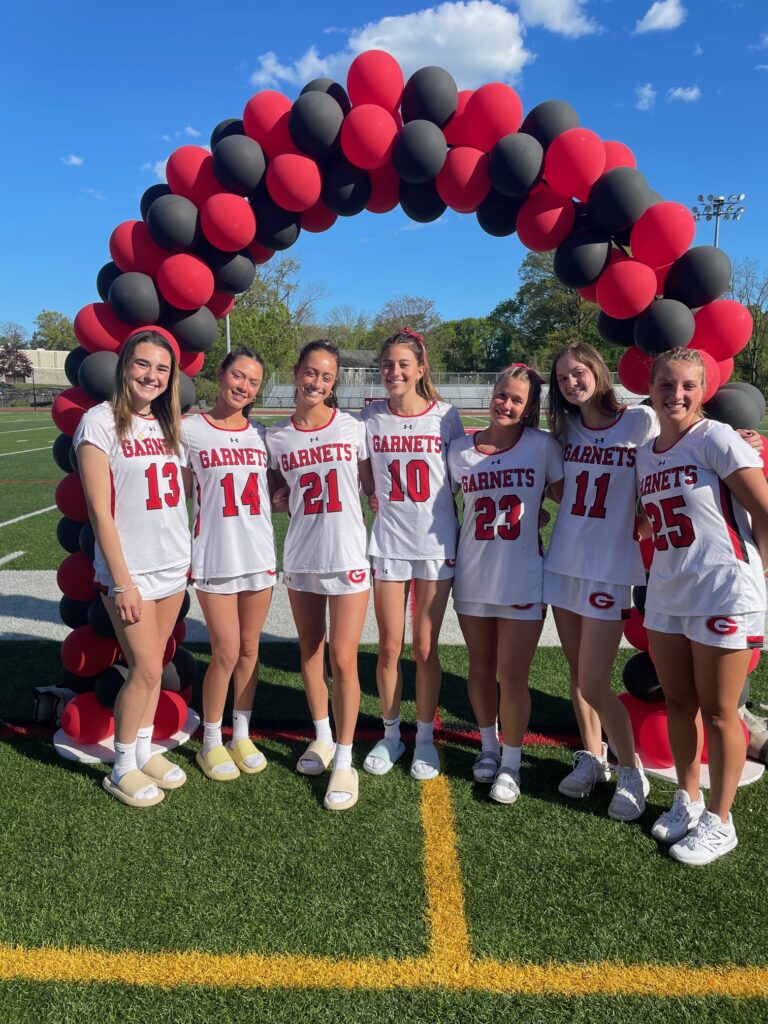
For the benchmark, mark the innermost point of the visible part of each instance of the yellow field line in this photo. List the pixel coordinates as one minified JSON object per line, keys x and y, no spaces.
{"x":449,"y":964}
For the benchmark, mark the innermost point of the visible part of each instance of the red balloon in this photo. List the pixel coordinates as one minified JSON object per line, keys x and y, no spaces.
{"x":294,"y":181}
{"x":190,"y":173}
{"x":99,"y":330}
{"x":375,"y":77}
{"x":455,"y":131}
{"x":132,"y":247}
{"x":170,"y":716}
{"x":574,"y":161}
{"x":68,"y":408}
{"x":639,"y":712}
{"x":228,"y":221}
{"x":85,"y":721}
{"x":259,"y":254}
{"x":754,"y":660}
{"x":725,"y":368}
{"x":652,"y":740}
{"x":385,"y":189}
{"x":170,"y":649}
{"x":185,"y":281}
{"x":626,"y":288}
{"x":662,"y":234}
{"x":464,"y":182}
{"x":723,"y":328}
{"x":86,"y":653}
{"x":618,"y":155}
{"x":711,"y":372}
{"x":70,"y":498}
{"x":318,"y":218}
{"x":186,"y":695}
{"x":75,"y":577}
{"x":179,"y":632}
{"x":545,"y":220}
{"x":191,"y":363}
{"x":492,"y":111}
{"x":634,"y":630}
{"x":265,"y":119}
{"x":589,"y":292}
{"x":367,"y":135}
{"x":634,"y":370}
{"x":661,"y":277}
{"x":221,"y":303}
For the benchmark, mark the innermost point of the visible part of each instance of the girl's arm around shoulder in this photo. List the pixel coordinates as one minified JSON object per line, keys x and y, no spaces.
{"x":750,"y":488}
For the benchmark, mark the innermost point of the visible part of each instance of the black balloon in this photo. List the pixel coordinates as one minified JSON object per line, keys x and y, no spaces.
{"x":333,"y":89}
{"x":133,"y":297}
{"x":97,"y":375}
{"x":618,"y":198}
{"x":581,"y":258}
{"x":276,"y":228}
{"x":105,"y":277}
{"x":640,"y":679}
{"x":60,"y":450}
{"x":225,"y":129}
{"x":430,"y":94}
{"x":665,"y":324}
{"x":172,"y":222}
{"x":497,"y":214}
{"x":616,"y":332}
{"x":315,"y":124}
{"x":232,"y":271}
{"x":701,"y":275}
{"x":638,"y":598}
{"x":346,"y":188}
{"x":421,"y":203}
{"x":185,"y":603}
{"x":195,"y":330}
{"x":153,"y":192}
{"x":186,"y":667}
{"x":419,"y":152}
{"x":73,"y":613}
{"x":73,"y":467}
{"x":108,"y":684}
{"x":549,"y":119}
{"x":239,"y":164}
{"x":68,"y":534}
{"x":515,"y":164}
{"x":736,"y":408}
{"x":80,"y":684}
{"x":99,"y":620}
{"x":748,"y":389}
{"x":187,"y":393}
{"x":73,"y":363}
{"x":170,"y":679}
{"x":87,"y":541}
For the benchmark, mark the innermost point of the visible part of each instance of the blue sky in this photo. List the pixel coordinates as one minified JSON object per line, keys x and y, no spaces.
{"x":96,"y":96}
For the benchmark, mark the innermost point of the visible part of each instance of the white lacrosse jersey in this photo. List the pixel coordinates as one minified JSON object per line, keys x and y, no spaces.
{"x":417,"y":515}
{"x":705,"y":561}
{"x":232,"y":516}
{"x":500,"y":557}
{"x":147,"y":491}
{"x":326,"y":532}
{"x":593,"y":537}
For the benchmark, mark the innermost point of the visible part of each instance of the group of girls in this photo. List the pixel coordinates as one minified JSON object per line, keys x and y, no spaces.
{"x":410,"y":454}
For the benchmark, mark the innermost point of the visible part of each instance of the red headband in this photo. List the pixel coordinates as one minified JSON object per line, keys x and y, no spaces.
{"x":530,"y":371}
{"x":418,"y":337}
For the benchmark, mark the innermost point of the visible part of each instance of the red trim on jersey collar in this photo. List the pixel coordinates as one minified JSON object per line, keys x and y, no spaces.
{"x":227,"y":430}
{"x":411,"y":415}
{"x":499,"y":451}
{"x":311,"y":430}
{"x":588,"y":426}
{"x":662,"y":451}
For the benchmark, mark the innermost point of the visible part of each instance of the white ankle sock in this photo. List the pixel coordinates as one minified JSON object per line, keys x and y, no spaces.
{"x":489,"y":737}
{"x":125,"y":760}
{"x":425,"y":732}
{"x":241,"y":721}
{"x":391,"y":728}
{"x":144,"y":745}
{"x":510,"y":758}
{"x":343,"y":757}
{"x":323,"y":730}
{"x":211,"y":736}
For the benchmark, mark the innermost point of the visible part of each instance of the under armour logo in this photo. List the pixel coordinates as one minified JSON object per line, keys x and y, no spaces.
{"x":495,"y":462}
{"x":407,"y":426}
{"x":599,"y":440}
{"x":234,"y":440}
{"x":314,"y":439}
{"x":661,"y":462}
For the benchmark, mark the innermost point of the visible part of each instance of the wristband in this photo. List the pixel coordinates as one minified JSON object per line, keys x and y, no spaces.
{"x":124,"y":590}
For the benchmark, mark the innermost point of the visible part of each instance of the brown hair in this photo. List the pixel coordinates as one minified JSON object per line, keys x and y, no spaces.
{"x":166,"y":408}
{"x":607,"y":399}
{"x":519,"y":371}
{"x":415,"y":343}
{"x":331,"y":349}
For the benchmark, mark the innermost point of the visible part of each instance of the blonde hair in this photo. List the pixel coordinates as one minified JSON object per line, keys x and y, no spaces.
{"x":679,"y":355}
{"x":166,"y":408}
{"x":559,"y":409}
{"x":415,"y":343}
{"x":519,"y":371}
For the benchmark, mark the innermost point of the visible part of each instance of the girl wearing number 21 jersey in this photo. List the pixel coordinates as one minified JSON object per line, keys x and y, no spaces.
{"x":233,"y":557}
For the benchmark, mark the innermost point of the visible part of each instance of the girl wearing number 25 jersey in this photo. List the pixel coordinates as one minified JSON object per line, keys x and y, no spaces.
{"x":233,"y":558}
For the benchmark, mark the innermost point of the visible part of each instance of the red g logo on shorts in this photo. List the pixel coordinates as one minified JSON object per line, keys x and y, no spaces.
{"x":722,"y":626}
{"x":601,"y":600}
{"x":450,"y":562}
{"x":357,"y":576}
{"x":522,"y":607}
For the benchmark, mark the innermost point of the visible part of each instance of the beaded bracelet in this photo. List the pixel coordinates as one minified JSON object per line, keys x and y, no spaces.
{"x":124,"y":590}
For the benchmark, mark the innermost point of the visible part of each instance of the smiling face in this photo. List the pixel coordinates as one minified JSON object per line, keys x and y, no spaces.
{"x":240,"y":382}
{"x":400,"y":370}
{"x":677,"y":393}
{"x":147,"y":375}
{"x":509,"y":401}
{"x":575,"y":380}
{"x":315,"y":376}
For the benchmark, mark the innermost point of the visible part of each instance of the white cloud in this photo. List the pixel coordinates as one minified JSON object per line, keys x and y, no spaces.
{"x":760,"y":67}
{"x":686,"y":94}
{"x":94,"y":193}
{"x":697,"y":50}
{"x":646,"y":96}
{"x":190,"y":132}
{"x":565,"y":17}
{"x":761,"y":44}
{"x":477,"y":41}
{"x":72,"y":160}
{"x":157,"y":168}
{"x":662,"y":16}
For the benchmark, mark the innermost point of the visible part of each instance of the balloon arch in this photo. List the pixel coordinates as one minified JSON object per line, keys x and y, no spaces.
{"x":383,"y":142}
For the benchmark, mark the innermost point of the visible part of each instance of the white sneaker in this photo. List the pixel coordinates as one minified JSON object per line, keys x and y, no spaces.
{"x":506,"y":786}
{"x":712,"y":838}
{"x":632,"y":788}
{"x":588,"y":769}
{"x":683,"y":815}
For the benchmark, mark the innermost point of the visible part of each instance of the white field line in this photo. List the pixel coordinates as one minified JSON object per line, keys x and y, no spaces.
{"x":24,"y":451}
{"x":11,"y":557}
{"x":27,"y":430}
{"x":29,"y":515}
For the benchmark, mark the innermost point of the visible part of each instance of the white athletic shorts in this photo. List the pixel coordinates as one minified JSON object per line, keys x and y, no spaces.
{"x":153,"y":586}
{"x":536,"y":611}
{"x":593,"y":600}
{"x":332,"y":584}
{"x":733,"y":632}
{"x":237,"y":584}
{"x":400,"y":570}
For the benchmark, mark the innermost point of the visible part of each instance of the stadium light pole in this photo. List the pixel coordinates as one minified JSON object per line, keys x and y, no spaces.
{"x":715,"y":207}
